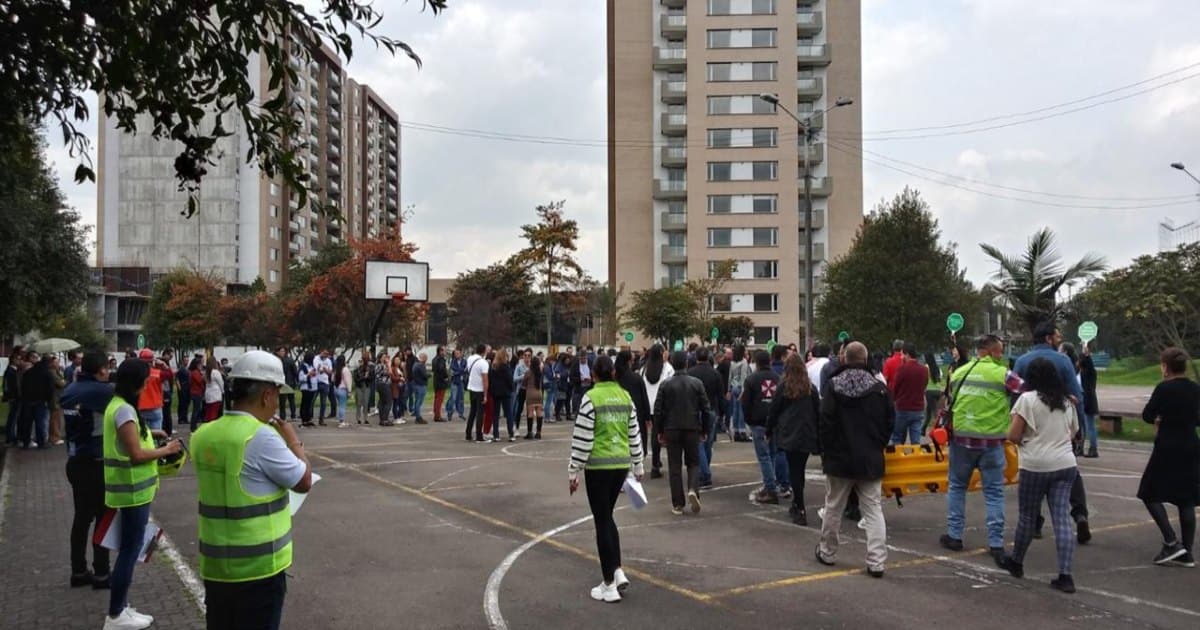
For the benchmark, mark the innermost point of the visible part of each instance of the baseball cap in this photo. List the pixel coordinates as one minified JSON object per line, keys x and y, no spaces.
{"x":258,"y":365}
{"x":146,"y":354}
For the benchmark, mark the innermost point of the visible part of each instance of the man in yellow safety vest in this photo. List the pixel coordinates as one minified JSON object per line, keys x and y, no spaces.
{"x":246,"y":461}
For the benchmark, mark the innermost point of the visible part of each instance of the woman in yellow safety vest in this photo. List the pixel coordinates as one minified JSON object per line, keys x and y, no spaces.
{"x":130,"y":481}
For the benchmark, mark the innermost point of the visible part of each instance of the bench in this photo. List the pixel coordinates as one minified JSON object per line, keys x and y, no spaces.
{"x":1110,"y":423}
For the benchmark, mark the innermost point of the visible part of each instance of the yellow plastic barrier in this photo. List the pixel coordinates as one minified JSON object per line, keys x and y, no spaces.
{"x":913,"y":469}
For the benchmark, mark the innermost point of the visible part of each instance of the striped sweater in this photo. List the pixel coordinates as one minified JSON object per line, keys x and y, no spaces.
{"x":606,"y":410}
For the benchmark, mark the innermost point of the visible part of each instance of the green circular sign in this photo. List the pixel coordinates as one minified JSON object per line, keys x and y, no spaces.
{"x":955,"y":322}
{"x":1088,"y":331}
{"x":678,"y":345}
{"x":771,"y":345}
{"x":141,"y":341}
{"x":716,"y":332}
{"x":629,"y":336}
{"x":843,"y":336}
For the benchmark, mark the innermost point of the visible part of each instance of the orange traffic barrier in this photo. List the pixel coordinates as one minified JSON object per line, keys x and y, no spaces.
{"x":913,"y":469}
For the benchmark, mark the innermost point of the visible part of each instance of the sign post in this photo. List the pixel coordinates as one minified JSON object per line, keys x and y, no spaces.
{"x":844,"y":336}
{"x":955,"y":322}
{"x":678,"y":345}
{"x":628,"y":336}
{"x":771,"y":345}
{"x":141,"y":341}
{"x":1088,"y":331}
{"x":716,"y":332}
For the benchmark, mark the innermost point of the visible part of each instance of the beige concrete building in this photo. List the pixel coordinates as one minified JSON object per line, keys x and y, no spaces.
{"x":248,"y":225}
{"x":702,"y":170}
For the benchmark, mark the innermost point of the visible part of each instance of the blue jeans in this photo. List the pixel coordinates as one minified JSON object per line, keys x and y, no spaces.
{"x":14,"y":417}
{"x":416,"y":394}
{"x":35,"y":423}
{"x":737,"y":420}
{"x":197,"y":410}
{"x":963,"y":462}
{"x":153,"y":418}
{"x":549,"y":397}
{"x":323,"y":395}
{"x":772,"y":463}
{"x":342,"y":396}
{"x":133,"y":530}
{"x":908,"y":425}
{"x":1089,"y":429}
{"x":710,"y":432}
{"x":454,"y":402}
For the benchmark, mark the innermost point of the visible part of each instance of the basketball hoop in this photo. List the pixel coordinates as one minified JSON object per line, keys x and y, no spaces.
{"x":398,"y":297}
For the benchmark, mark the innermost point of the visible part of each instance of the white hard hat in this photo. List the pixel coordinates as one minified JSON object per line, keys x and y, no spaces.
{"x":258,"y":365}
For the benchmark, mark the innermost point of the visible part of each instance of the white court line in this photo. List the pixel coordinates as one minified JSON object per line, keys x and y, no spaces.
{"x":1106,"y":495}
{"x":404,"y":461}
{"x":449,"y":475}
{"x":184,"y":570}
{"x":1109,"y":476}
{"x":4,"y":487}
{"x":491,"y":595}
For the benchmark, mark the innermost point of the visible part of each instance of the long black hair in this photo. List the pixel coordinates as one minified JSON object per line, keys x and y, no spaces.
{"x":964,"y":355}
{"x":535,"y":368}
{"x":623,"y":363}
{"x":1042,"y":377}
{"x":131,"y":379}
{"x":654,"y":363}
{"x":1069,"y":350}
{"x":935,"y":374}
{"x":337,"y":370}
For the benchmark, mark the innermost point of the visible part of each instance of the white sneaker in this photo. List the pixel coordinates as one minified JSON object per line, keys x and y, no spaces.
{"x":342,"y":425}
{"x":402,"y":421}
{"x":139,"y":615}
{"x":620,"y":580}
{"x":125,"y":621}
{"x":606,"y":593}
{"x":821,"y":514}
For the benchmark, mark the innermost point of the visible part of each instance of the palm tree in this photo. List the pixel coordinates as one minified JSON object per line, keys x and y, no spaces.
{"x":1031,"y":282}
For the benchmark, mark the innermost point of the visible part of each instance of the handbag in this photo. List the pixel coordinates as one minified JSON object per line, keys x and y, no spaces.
{"x":943,"y":426}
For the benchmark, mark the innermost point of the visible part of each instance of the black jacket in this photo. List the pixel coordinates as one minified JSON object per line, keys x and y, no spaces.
{"x":84,"y":403}
{"x":500,"y":382}
{"x":757,"y":394}
{"x":37,"y":384}
{"x":1087,"y":379}
{"x":632,"y":382}
{"x":418,"y":375}
{"x":290,"y":374}
{"x":856,"y":422}
{"x":680,"y":401}
{"x":441,"y":373}
{"x":711,"y":379}
{"x":792,"y":422}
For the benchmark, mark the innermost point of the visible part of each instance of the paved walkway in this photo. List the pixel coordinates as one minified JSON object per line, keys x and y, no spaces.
{"x":35,"y":522}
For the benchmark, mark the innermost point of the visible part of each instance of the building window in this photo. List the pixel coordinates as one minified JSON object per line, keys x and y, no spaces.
{"x":742,"y":38}
{"x":677,"y":239}
{"x":274,"y":233}
{"x":720,"y":237}
{"x":273,"y":210}
{"x":756,"y":137}
{"x":766,"y":302}
{"x":274,"y":276}
{"x":676,"y":275}
{"x":741,"y":7}
{"x":765,"y":237}
{"x":738,"y":104}
{"x":677,"y":207}
{"x":720,"y":303}
{"x":742,"y":204}
{"x":763,"y":171}
{"x":742,"y":71}
{"x":766,"y":269}
{"x":763,"y":334}
{"x":274,"y":189}
{"x":273,"y":254}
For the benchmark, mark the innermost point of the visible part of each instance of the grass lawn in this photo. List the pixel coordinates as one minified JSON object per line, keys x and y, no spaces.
{"x":1132,"y":430}
{"x":1120,"y":375}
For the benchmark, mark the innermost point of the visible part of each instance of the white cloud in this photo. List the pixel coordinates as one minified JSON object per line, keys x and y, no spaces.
{"x":897,"y":47}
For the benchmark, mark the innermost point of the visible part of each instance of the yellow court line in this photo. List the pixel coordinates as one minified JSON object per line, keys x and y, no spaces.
{"x":641,"y":575}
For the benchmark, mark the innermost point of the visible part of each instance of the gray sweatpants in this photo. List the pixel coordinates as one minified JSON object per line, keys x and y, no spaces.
{"x":837,"y":492}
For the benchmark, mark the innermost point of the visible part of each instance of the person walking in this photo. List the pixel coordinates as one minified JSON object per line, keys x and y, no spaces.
{"x":979,"y":402}
{"x":792,"y":423}
{"x":418,"y":382}
{"x":130,"y":483}
{"x":291,"y":378}
{"x":476,"y":374}
{"x":441,"y":383}
{"x":681,"y":411}
{"x":1173,"y":473}
{"x":246,"y":462}
{"x":655,"y":372}
{"x":907,"y":386}
{"x":500,"y":389}
{"x":364,"y":383}
{"x":632,"y":382}
{"x":533,"y":399}
{"x":739,"y":369}
{"x":758,"y":392}
{"x":458,"y":382}
{"x":308,"y":389}
{"x":1043,"y":426}
{"x":1091,"y":402}
{"x":857,"y":415}
{"x":84,"y":402}
{"x":383,"y":388}
{"x":341,"y":388}
{"x":714,"y":389}
{"x":606,"y":447}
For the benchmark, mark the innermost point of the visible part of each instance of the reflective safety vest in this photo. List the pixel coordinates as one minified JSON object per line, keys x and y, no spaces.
{"x":610,"y":434}
{"x":243,"y":537}
{"x":126,"y":484}
{"x":981,"y":408}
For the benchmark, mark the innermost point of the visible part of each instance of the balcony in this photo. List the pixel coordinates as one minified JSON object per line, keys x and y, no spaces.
{"x":668,"y":281}
{"x":674,"y":27}
{"x":670,"y":58}
{"x":810,"y":88}
{"x":670,"y":190}
{"x":816,"y":155}
{"x":818,"y":256}
{"x":818,"y":219}
{"x":821,"y":187}
{"x":674,"y":222}
{"x":674,"y":124}
{"x":674,"y":254}
{"x":809,"y":24}
{"x":674,"y":156}
{"x":812,"y":55}
{"x":295,"y":227}
{"x":673,"y":92}
{"x":675,"y":4}
{"x":293,"y":246}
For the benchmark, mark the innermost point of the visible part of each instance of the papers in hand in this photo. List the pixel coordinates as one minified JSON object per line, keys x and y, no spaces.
{"x":108,"y":535}
{"x":297,"y":499}
{"x":636,"y":493}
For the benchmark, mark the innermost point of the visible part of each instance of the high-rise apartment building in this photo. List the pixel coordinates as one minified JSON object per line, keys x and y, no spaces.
{"x":248,"y":225}
{"x":701,"y":170}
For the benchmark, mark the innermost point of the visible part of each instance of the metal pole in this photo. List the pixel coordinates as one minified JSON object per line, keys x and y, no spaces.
{"x":805,"y":129}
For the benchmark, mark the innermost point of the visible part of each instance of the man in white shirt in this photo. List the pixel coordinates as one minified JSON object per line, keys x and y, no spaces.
{"x":820,"y":353}
{"x":477,"y":384}
{"x":324,"y":366}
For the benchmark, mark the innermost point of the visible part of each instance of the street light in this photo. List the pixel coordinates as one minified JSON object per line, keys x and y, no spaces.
{"x":1180,"y":167}
{"x":808,"y":134}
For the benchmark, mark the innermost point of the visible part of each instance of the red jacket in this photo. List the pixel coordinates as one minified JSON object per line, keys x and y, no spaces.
{"x":907,"y":385}
{"x":890,"y":365}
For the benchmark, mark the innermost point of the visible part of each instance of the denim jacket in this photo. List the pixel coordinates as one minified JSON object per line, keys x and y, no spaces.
{"x":458,"y":370}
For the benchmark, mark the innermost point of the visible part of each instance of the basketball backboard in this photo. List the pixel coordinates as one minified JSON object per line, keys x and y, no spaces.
{"x":384,"y":279}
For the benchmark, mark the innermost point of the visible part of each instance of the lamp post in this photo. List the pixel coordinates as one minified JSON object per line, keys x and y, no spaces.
{"x":807,"y":133}
{"x":1180,"y":167}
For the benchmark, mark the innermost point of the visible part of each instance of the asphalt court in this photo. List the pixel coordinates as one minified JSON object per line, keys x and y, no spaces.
{"x":414,"y":527}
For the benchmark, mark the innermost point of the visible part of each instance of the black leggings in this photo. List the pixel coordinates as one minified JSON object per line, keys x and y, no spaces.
{"x":1187,"y":523}
{"x":603,"y":489}
{"x":797,"y":460}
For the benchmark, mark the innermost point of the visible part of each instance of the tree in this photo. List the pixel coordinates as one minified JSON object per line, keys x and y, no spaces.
{"x":702,"y":291}
{"x":493,"y":305}
{"x":664,"y":314}
{"x":1154,"y":302}
{"x":549,"y":255}
{"x":44,"y":258}
{"x":606,"y":304}
{"x":166,"y":66}
{"x":183,"y":310}
{"x":75,"y":325}
{"x":869,"y":293}
{"x":736,"y":329}
{"x":1030,"y":283}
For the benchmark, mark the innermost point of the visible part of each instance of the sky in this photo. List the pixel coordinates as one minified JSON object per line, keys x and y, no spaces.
{"x":538,"y":68}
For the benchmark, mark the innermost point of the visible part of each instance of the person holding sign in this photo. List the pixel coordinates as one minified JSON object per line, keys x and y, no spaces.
{"x":246,"y":461}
